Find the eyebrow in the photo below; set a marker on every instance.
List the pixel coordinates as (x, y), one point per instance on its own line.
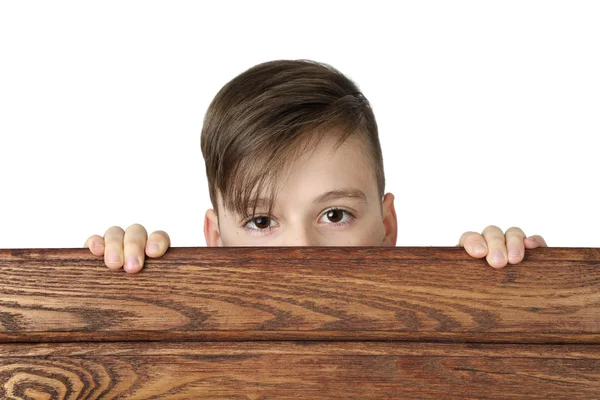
(347, 193)
(341, 194)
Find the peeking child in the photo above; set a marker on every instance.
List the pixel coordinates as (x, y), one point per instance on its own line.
(293, 158)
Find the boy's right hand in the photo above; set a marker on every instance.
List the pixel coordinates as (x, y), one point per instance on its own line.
(128, 247)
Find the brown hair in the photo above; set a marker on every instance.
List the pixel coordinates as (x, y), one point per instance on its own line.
(270, 114)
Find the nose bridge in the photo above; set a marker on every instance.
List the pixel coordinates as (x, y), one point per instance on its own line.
(300, 234)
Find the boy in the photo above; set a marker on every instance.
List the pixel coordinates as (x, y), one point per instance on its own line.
(293, 158)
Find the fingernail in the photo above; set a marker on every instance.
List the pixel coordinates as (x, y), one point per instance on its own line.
(153, 247)
(479, 248)
(113, 257)
(531, 238)
(513, 252)
(132, 262)
(498, 257)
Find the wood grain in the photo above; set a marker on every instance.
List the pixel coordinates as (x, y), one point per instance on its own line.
(305, 370)
(327, 323)
(302, 294)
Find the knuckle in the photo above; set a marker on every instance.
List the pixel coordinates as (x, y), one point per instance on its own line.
(160, 236)
(516, 241)
(467, 236)
(95, 245)
(490, 228)
(115, 229)
(114, 249)
(133, 239)
(136, 227)
(113, 234)
(495, 243)
(514, 250)
(133, 248)
(113, 243)
(515, 229)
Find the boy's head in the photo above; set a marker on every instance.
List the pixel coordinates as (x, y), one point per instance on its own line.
(285, 142)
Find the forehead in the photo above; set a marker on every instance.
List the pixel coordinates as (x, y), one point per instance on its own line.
(327, 163)
(322, 168)
(327, 157)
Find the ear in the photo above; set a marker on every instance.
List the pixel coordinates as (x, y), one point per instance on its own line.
(211, 229)
(390, 221)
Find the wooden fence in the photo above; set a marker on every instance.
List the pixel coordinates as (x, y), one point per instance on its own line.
(302, 323)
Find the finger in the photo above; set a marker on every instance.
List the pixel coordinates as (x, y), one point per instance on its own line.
(113, 243)
(496, 243)
(474, 244)
(96, 245)
(515, 244)
(158, 243)
(535, 241)
(134, 244)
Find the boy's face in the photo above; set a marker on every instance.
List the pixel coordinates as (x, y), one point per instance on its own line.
(302, 214)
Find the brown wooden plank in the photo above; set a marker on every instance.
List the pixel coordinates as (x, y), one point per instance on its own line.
(291, 370)
(302, 293)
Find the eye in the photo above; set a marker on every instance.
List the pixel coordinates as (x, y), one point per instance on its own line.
(261, 223)
(336, 216)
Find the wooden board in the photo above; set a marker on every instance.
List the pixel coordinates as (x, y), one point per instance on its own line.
(289, 322)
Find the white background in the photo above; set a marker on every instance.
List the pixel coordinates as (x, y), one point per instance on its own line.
(489, 112)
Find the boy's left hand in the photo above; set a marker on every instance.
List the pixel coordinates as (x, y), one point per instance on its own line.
(499, 247)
